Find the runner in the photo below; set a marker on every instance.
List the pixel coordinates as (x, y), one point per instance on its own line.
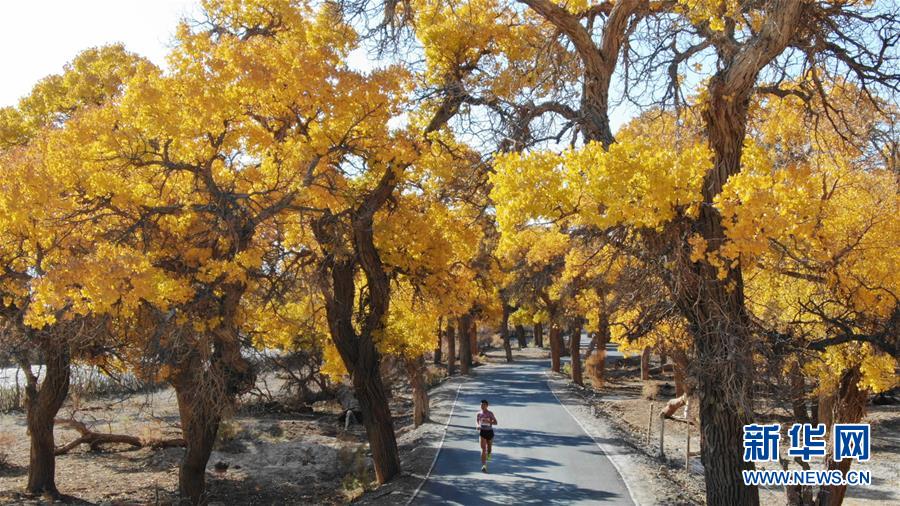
(486, 421)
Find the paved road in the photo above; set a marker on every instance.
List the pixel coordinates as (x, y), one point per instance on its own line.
(541, 455)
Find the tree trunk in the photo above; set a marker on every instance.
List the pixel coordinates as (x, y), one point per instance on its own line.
(563, 345)
(711, 297)
(575, 350)
(451, 349)
(798, 394)
(465, 344)
(554, 347)
(362, 361)
(415, 368)
(42, 405)
(850, 406)
(592, 345)
(437, 349)
(473, 339)
(520, 335)
(602, 336)
(504, 332)
(200, 420)
(680, 366)
(539, 335)
(645, 363)
(379, 425)
(825, 411)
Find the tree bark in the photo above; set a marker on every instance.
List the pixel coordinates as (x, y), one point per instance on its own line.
(599, 60)
(850, 406)
(602, 335)
(415, 368)
(539, 335)
(645, 363)
(94, 439)
(451, 349)
(520, 335)
(564, 344)
(42, 404)
(680, 366)
(437, 349)
(473, 339)
(465, 344)
(504, 332)
(592, 345)
(200, 419)
(357, 347)
(575, 350)
(555, 346)
(713, 301)
(362, 360)
(798, 394)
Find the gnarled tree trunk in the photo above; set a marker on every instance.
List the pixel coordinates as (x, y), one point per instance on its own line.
(451, 349)
(415, 369)
(357, 347)
(555, 346)
(465, 343)
(520, 335)
(712, 298)
(205, 390)
(437, 348)
(849, 407)
(504, 332)
(42, 403)
(200, 419)
(598, 367)
(575, 350)
(680, 367)
(539, 335)
(645, 363)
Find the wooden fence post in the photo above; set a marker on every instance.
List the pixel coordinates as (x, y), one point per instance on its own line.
(687, 450)
(662, 437)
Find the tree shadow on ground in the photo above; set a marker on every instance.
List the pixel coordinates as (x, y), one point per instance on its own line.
(12, 470)
(526, 488)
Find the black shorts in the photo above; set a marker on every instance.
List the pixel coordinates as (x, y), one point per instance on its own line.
(487, 434)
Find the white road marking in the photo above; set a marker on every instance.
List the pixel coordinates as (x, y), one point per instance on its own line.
(599, 445)
(440, 445)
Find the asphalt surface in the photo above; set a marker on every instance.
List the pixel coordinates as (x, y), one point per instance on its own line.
(540, 456)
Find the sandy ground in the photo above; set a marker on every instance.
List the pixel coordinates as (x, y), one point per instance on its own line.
(272, 458)
(308, 458)
(621, 404)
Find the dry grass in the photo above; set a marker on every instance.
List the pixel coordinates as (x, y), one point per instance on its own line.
(6, 441)
(10, 399)
(593, 368)
(650, 390)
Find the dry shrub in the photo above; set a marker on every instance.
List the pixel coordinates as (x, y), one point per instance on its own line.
(10, 399)
(650, 391)
(594, 368)
(357, 469)
(6, 441)
(434, 375)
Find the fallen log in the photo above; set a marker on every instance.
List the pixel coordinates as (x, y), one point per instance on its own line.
(97, 439)
(672, 406)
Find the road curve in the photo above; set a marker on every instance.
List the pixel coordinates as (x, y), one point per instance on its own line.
(541, 454)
